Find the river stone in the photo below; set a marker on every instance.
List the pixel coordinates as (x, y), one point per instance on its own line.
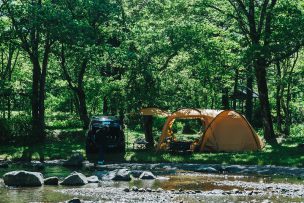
(234, 168)
(141, 190)
(159, 190)
(147, 175)
(126, 189)
(74, 200)
(134, 188)
(37, 165)
(51, 181)
(75, 179)
(118, 175)
(75, 160)
(207, 169)
(136, 173)
(23, 178)
(92, 179)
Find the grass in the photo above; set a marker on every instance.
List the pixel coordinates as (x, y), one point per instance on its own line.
(281, 156)
(59, 146)
(66, 142)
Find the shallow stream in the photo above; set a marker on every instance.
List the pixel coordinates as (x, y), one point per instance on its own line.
(178, 186)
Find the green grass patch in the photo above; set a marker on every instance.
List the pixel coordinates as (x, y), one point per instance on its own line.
(62, 143)
(281, 156)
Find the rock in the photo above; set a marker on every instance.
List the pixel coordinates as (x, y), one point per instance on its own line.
(93, 179)
(141, 190)
(74, 200)
(88, 165)
(118, 175)
(23, 178)
(159, 190)
(51, 181)
(216, 191)
(234, 168)
(134, 188)
(250, 193)
(37, 165)
(75, 179)
(75, 160)
(136, 173)
(147, 175)
(206, 169)
(149, 190)
(126, 189)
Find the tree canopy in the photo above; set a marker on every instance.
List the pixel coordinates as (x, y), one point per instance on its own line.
(114, 57)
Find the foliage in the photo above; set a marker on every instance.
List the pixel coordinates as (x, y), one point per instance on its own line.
(16, 130)
(63, 61)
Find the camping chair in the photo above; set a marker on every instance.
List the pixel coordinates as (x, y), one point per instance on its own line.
(140, 143)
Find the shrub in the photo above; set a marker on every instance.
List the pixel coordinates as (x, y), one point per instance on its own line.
(20, 128)
(5, 130)
(17, 129)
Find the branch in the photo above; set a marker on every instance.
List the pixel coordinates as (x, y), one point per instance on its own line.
(65, 71)
(242, 24)
(286, 55)
(251, 20)
(241, 5)
(262, 16)
(82, 72)
(15, 61)
(25, 45)
(167, 61)
(268, 23)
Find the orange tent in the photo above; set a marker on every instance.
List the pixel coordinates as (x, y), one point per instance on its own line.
(153, 112)
(226, 131)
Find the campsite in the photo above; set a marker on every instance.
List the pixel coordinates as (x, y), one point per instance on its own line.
(151, 101)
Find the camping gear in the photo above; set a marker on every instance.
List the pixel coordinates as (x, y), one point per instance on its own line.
(226, 131)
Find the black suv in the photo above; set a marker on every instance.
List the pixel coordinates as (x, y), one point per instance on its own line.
(105, 132)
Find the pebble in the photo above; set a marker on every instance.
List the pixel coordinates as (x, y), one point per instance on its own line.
(134, 188)
(159, 190)
(141, 190)
(74, 200)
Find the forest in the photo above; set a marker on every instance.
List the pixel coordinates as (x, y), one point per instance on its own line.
(63, 61)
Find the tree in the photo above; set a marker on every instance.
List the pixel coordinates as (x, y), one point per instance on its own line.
(86, 38)
(256, 22)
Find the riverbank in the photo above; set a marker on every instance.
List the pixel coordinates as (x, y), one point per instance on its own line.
(62, 144)
(169, 168)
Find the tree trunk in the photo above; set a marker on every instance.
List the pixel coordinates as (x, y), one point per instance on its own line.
(105, 105)
(287, 114)
(225, 99)
(83, 113)
(36, 128)
(148, 124)
(249, 94)
(278, 98)
(78, 90)
(236, 79)
(260, 72)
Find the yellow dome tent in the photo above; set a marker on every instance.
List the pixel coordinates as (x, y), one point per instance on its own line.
(226, 131)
